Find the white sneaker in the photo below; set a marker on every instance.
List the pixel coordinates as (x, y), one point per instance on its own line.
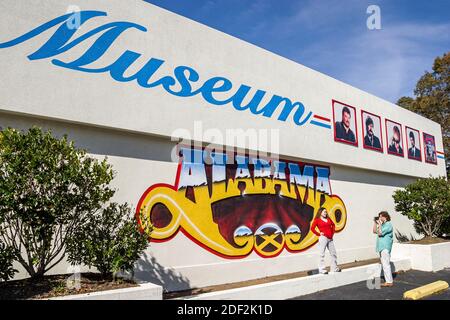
(323, 272)
(337, 270)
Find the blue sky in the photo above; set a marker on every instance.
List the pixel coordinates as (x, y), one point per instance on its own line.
(331, 36)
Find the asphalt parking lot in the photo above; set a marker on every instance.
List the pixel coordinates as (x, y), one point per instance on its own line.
(402, 282)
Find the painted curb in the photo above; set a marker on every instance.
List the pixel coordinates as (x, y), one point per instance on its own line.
(425, 290)
(285, 289)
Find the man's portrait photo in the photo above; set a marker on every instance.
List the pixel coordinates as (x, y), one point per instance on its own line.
(413, 142)
(394, 138)
(372, 131)
(344, 118)
(430, 148)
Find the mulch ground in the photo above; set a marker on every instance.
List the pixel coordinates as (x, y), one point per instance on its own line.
(428, 240)
(57, 285)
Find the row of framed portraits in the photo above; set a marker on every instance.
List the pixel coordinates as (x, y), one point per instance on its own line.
(346, 131)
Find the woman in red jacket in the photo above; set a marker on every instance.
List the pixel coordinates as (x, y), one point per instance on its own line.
(326, 228)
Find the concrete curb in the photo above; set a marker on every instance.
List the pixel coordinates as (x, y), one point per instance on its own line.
(145, 291)
(424, 257)
(290, 288)
(426, 290)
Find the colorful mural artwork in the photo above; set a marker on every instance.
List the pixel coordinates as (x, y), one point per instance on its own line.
(234, 204)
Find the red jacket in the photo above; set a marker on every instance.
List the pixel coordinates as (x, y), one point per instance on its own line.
(326, 227)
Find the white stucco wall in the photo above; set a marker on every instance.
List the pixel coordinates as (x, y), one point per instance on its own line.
(132, 125)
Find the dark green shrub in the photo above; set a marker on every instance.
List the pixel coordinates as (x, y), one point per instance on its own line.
(48, 188)
(427, 202)
(7, 256)
(111, 241)
(446, 227)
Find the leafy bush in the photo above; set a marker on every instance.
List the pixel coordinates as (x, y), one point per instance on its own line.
(427, 202)
(110, 241)
(48, 188)
(7, 256)
(446, 227)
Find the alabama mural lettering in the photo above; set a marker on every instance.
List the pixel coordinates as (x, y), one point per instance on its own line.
(181, 84)
(233, 208)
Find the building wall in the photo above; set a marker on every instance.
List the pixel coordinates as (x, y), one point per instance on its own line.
(133, 125)
(143, 160)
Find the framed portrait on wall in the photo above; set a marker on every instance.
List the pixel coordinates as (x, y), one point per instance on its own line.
(372, 135)
(344, 119)
(394, 138)
(429, 148)
(413, 144)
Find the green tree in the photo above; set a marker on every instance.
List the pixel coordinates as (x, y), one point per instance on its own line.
(432, 97)
(110, 240)
(48, 188)
(427, 202)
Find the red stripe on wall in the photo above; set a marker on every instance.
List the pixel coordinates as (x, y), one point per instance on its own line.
(321, 118)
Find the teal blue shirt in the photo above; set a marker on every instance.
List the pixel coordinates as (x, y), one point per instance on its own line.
(386, 239)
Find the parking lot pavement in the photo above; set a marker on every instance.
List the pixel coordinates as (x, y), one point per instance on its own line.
(402, 282)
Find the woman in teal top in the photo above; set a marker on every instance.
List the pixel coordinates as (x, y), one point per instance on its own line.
(384, 231)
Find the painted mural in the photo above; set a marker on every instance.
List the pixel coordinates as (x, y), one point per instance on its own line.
(235, 204)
